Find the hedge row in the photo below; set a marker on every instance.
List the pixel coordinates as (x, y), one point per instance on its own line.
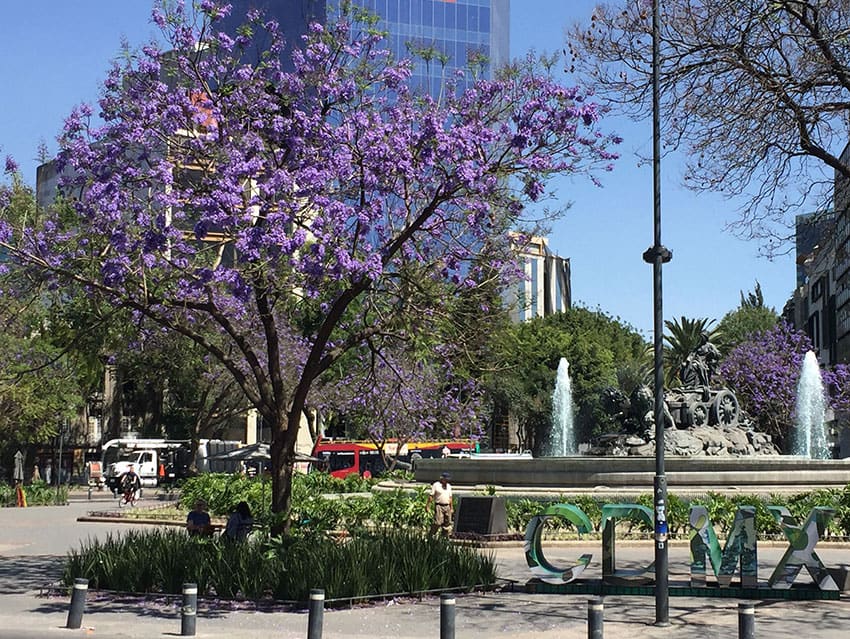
(312, 510)
(38, 493)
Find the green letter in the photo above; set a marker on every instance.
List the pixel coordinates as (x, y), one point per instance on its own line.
(741, 544)
(610, 514)
(541, 568)
(801, 548)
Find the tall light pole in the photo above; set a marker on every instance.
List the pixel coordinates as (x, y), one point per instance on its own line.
(657, 255)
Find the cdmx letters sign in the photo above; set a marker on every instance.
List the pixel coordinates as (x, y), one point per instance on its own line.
(739, 553)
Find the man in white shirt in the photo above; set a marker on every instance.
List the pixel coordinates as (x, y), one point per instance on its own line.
(441, 495)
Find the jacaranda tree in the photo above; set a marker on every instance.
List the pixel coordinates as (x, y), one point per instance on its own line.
(277, 214)
(764, 371)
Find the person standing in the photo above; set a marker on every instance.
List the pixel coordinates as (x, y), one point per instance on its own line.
(441, 495)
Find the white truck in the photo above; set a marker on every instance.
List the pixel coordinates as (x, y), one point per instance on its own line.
(159, 461)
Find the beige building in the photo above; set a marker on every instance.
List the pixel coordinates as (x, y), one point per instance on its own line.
(546, 288)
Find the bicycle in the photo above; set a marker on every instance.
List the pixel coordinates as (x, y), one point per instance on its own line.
(128, 498)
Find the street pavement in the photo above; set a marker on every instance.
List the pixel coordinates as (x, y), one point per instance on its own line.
(33, 542)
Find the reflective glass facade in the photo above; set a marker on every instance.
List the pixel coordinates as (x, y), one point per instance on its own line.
(456, 31)
(453, 30)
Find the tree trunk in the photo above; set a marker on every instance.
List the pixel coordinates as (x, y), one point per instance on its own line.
(284, 434)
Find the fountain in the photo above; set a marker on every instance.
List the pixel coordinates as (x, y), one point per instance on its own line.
(808, 438)
(710, 446)
(562, 437)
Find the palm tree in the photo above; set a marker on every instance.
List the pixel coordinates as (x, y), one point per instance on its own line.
(636, 372)
(683, 336)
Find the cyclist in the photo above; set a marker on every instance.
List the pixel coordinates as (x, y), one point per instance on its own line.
(130, 485)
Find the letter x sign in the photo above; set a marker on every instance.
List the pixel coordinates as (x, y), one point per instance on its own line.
(801, 548)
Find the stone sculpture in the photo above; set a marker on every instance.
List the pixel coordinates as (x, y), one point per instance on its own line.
(695, 402)
(706, 417)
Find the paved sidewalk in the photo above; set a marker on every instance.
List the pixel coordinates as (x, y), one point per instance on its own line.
(33, 542)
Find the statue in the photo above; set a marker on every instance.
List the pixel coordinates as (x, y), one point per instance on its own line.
(695, 403)
(699, 366)
(643, 401)
(699, 418)
(636, 412)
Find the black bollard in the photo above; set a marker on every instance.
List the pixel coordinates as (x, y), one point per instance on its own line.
(595, 612)
(746, 620)
(78, 603)
(189, 611)
(447, 617)
(316, 614)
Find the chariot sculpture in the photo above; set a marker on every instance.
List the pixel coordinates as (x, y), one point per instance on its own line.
(696, 403)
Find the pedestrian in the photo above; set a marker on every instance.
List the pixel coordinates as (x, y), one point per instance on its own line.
(48, 472)
(36, 475)
(240, 523)
(198, 520)
(441, 495)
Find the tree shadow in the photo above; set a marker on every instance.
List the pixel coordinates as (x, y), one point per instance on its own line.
(29, 572)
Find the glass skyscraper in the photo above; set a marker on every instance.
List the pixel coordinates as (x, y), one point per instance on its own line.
(451, 31)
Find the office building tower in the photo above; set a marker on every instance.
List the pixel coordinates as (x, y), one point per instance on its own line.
(449, 33)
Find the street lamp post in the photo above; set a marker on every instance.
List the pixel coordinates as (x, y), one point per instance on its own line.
(657, 255)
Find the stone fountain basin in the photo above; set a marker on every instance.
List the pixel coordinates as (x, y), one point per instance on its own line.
(685, 475)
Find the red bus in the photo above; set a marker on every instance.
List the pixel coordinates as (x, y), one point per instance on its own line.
(342, 457)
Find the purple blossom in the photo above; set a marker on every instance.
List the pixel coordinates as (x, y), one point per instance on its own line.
(11, 165)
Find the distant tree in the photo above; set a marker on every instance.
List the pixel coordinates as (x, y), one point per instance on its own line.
(751, 317)
(601, 350)
(392, 397)
(41, 386)
(764, 372)
(754, 298)
(176, 389)
(754, 93)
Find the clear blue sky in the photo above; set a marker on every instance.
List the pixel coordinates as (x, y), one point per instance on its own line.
(55, 54)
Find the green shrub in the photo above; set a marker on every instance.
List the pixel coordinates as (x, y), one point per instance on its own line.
(39, 493)
(386, 561)
(311, 512)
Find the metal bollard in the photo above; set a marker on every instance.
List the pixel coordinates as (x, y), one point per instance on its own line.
(595, 613)
(189, 611)
(746, 620)
(78, 603)
(447, 617)
(316, 614)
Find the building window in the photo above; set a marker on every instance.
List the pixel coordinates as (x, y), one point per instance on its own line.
(818, 288)
(814, 329)
(535, 282)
